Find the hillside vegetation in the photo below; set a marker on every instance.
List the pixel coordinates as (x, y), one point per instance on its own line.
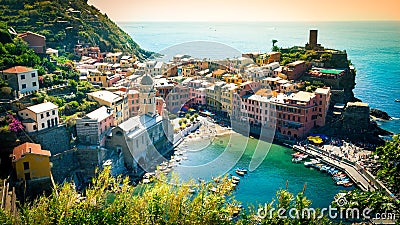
(64, 23)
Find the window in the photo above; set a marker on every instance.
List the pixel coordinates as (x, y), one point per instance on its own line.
(34, 84)
(26, 165)
(42, 125)
(41, 116)
(34, 127)
(5, 77)
(54, 112)
(22, 77)
(27, 176)
(47, 114)
(33, 75)
(23, 86)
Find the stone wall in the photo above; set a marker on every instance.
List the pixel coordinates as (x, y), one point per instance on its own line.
(55, 139)
(63, 165)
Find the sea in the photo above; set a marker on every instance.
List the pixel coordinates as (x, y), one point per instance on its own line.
(372, 47)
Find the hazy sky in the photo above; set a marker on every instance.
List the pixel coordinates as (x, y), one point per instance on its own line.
(249, 10)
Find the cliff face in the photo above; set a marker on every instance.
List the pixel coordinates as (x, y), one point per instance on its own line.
(65, 23)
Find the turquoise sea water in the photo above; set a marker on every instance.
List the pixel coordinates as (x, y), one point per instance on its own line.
(373, 47)
(259, 186)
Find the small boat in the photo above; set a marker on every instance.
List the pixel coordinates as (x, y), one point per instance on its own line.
(296, 154)
(192, 191)
(213, 189)
(296, 160)
(240, 173)
(308, 164)
(242, 169)
(397, 100)
(234, 181)
(201, 180)
(236, 178)
(349, 184)
(342, 182)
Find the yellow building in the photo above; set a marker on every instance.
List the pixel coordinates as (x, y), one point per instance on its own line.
(227, 98)
(266, 58)
(117, 103)
(96, 77)
(217, 74)
(233, 78)
(31, 162)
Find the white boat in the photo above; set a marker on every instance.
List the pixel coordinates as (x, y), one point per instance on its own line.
(307, 164)
(236, 178)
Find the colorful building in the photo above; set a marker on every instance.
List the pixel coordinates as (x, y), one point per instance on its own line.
(39, 117)
(31, 162)
(92, 128)
(113, 101)
(21, 79)
(295, 70)
(133, 102)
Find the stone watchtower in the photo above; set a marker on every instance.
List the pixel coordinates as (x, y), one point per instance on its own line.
(147, 96)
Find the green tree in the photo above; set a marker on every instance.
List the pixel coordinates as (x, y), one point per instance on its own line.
(389, 157)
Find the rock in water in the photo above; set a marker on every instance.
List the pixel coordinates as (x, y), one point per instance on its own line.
(380, 114)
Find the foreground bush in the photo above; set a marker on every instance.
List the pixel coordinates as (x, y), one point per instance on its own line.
(113, 201)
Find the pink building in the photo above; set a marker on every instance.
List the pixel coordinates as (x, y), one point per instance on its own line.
(176, 98)
(197, 92)
(160, 105)
(298, 113)
(133, 102)
(295, 70)
(92, 128)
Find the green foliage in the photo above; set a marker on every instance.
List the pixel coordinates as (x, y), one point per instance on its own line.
(389, 157)
(62, 27)
(5, 218)
(311, 86)
(112, 200)
(187, 115)
(377, 201)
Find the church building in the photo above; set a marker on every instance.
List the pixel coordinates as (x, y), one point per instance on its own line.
(145, 138)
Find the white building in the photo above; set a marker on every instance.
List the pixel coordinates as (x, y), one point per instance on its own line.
(22, 79)
(39, 117)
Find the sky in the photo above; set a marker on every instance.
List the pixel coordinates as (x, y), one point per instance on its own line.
(248, 10)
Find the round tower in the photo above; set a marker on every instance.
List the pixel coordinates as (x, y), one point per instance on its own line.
(147, 96)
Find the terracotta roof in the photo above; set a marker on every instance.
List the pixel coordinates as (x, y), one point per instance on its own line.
(18, 69)
(30, 33)
(27, 148)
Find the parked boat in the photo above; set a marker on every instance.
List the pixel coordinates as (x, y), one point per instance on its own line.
(308, 164)
(349, 184)
(296, 160)
(236, 178)
(242, 170)
(240, 173)
(342, 182)
(192, 191)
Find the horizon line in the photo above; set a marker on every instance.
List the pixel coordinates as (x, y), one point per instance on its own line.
(251, 21)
